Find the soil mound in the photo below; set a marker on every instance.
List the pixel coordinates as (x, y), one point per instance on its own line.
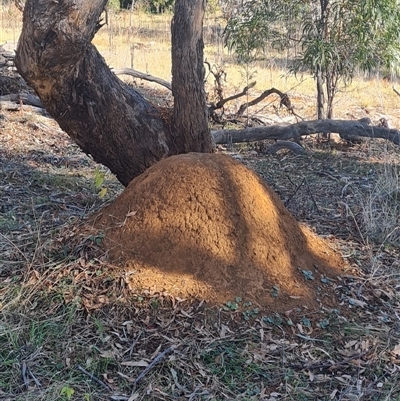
(204, 225)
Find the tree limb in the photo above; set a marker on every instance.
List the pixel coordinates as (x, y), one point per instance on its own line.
(222, 102)
(105, 117)
(349, 130)
(141, 75)
(24, 98)
(285, 101)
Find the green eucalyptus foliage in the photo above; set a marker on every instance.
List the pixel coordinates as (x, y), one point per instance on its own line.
(331, 39)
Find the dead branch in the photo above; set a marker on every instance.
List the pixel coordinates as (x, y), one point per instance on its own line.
(12, 106)
(24, 98)
(396, 91)
(222, 102)
(293, 146)
(285, 101)
(219, 75)
(94, 378)
(348, 130)
(154, 362)
(141, 75)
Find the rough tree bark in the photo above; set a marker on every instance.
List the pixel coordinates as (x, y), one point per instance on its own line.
(105, 117)
(190, 109)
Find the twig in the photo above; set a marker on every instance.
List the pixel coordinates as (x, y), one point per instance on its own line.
(295, 192)
(94, 378)
(23, 373)
(350, 212)
(154, 362)
(312, 196)
(134, 343)
(37, 382)
(310, 338)
(218, 75)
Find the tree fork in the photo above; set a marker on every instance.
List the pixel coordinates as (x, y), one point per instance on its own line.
(105, 117)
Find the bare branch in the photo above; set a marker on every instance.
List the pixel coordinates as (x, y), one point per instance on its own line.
(24, 98)
(219, 74)
(222, 102)
(141, 75)
(285, 101)
(94, 378)
(154, 362)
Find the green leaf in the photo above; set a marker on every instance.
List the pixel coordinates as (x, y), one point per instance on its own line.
(102, 193)
(67, 392)
(98, 178)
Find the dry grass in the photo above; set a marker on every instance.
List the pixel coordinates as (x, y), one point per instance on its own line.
(381, 207)
(63, 308)
(142, 41)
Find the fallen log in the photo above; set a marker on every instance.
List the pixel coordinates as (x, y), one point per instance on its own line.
(22, 98)
(347, 129)
(12, 106)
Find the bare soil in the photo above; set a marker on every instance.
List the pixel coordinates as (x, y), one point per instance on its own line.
(206, 226)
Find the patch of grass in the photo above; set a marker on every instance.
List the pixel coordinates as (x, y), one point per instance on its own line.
(380, 207)
(31, 349)
(52, 178)
(8, 221)
(228, 362)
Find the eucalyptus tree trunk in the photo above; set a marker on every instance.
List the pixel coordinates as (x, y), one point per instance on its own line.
(104, 116)
(190, 109)
(323, 33)
(320, 94)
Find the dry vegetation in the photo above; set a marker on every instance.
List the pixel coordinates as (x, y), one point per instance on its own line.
(71, 330)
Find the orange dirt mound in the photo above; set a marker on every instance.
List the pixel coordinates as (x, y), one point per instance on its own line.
(205, 226)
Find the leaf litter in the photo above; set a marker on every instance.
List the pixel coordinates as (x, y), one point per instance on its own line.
(64, 307)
